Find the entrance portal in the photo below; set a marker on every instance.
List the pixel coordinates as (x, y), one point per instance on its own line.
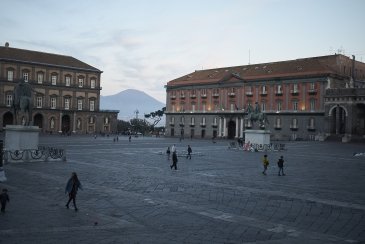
(231, 129)
(66, 124)
(8, 119)
(38, 120)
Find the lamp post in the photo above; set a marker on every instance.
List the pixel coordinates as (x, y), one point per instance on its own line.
(2, 172)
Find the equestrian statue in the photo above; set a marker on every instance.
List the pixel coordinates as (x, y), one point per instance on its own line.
(22, 102)
(255, 115)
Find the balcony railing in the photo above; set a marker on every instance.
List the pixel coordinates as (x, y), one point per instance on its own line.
(203, 124)
(215, 95)
(203, 95)
(172, 123)
(172, 97)
(192, 96)
(277, 127)
(231, 94)
(294, 92)
(263, 93)
(311, 128)
(214, 125)
(278, 93)
(312, 91)
(294, 127)
(182, 96)
(249, 93)
(192, 124)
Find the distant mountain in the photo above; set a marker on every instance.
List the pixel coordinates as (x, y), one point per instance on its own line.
(128, 101)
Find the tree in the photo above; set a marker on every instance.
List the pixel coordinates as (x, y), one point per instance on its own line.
(139, 125)
(155, 116)
(123, 126)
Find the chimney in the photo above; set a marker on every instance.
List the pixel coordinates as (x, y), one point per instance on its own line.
(6, 44)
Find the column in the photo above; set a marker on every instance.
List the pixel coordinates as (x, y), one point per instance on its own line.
(60, 123)
(74, 124)
(220, 127)
(241, 135)
(224, 127)
(236, 135)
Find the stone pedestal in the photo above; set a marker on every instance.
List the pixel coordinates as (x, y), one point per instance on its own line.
(257, 136)
(19, 137)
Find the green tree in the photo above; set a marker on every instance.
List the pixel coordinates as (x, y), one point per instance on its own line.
(155, 116)
(123, 126)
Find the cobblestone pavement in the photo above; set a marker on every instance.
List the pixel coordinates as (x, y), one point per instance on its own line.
(131, 195)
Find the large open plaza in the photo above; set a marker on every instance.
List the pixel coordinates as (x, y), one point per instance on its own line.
(130, 194)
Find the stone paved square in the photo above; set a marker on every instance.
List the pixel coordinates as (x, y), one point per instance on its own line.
(130, 194)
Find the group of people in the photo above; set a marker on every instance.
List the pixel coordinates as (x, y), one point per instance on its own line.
(174, 155)
(265, 162)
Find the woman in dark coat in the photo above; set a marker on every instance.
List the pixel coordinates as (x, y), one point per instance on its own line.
(73, 185)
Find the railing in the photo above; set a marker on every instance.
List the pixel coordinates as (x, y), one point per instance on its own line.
(42, 154)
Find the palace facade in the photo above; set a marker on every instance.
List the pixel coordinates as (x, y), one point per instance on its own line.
(66, 95)
(304, 99)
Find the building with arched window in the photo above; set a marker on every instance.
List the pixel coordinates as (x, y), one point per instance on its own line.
(66, 96)
(304, 99)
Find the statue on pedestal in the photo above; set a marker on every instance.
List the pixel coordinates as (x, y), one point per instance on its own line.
(255, 115)
(23, 102)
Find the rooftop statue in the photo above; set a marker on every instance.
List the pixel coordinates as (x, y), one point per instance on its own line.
(22, 102)
(255, 115)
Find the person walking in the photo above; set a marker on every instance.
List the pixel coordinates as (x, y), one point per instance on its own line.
(281, 165)
(189, 152)
(73, 185)
(173, 148)
(174, 160)
(4, 197)
(130, 138)
(168, 152)
(265, 162)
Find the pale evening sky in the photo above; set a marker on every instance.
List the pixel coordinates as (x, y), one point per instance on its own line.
(142, 44)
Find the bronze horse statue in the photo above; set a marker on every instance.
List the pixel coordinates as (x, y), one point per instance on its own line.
(22, 102)
(254, 115)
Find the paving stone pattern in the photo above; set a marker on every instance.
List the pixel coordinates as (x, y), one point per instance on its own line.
(130, 194)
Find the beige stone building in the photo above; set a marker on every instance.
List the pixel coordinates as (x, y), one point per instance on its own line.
(66, 97)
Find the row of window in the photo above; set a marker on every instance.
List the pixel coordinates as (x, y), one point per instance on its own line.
(248, 90)
(91, 120)
(277, 125)
(53, 103)
(234, 107)
(54, 79)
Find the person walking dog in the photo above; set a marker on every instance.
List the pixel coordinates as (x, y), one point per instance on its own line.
(73, 185)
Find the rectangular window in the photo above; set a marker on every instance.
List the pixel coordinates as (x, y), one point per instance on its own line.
(40, 78)
(263, 106)
(279, 89)
(193, 121)
(312, 86)
(92, 105)
(232, 107)
(81, 82)
(54, 79)
(312, 105)
(279, 106)
(173, 108)
(10, 75)
(26, 76)
(295, 88)
(264, 90)
(68, 80)
(53, 102)
(193, 108)
(203, 92)
(79, 104)
(215, 121)
(9, 100)
(39, 102)
(203, 121)
(67, 103)
(295, 105)
(92, 83)
(204, 107)
(278, 123)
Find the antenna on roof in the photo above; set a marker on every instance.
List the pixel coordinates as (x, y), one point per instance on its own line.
(249, 56)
